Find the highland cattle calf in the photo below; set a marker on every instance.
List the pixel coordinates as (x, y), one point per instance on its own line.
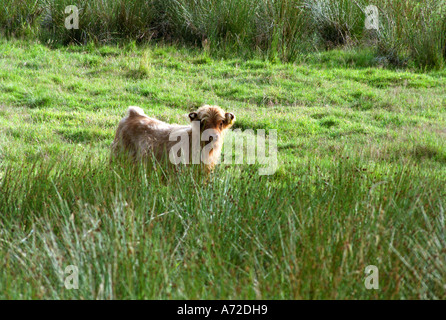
(141, 136)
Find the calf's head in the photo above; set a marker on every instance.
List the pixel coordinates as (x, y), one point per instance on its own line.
(213, 122)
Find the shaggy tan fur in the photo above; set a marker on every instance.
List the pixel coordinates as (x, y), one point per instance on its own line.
(141, 136)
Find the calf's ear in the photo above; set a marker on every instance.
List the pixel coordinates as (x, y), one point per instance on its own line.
(229, 118)
(193, 116)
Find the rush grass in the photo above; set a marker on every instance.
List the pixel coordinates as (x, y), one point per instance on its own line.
(360, 180)
(409, 33)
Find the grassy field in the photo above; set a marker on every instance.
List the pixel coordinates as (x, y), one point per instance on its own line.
(361, 178)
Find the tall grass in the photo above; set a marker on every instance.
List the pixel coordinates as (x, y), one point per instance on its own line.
(414, 30)
(102, 21)
(238, 235)
(337, 22)
(19, 18)
(278, 29)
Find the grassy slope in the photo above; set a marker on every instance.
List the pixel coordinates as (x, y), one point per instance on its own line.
(361, 178)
